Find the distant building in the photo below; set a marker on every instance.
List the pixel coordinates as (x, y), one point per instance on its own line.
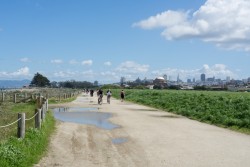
(96, 83)
(189, 81)
(228, 79)
(160, 81)
(211, 79)
(123, 80)
(203, 77)
(193, 80)
(165, 77)
(178, 79)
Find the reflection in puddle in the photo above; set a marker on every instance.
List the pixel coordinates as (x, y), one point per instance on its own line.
(75, 109)
(84, 116)
(119, 140)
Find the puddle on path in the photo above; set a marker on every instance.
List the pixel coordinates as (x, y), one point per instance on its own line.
(85, 116)
(119, 140)
(75, 109)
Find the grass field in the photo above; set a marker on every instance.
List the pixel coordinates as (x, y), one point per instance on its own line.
(225, 109)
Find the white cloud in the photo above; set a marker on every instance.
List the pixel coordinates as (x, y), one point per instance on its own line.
(22, 72)
(132, 67)
(223, 22)
(217, 71)
(25, 60)
(78, 75)
(108, 63)
(56, 61)
(164, 19)
(88, 73)
(87, 62)
(73, 62)
(109, 75)
(65, 74)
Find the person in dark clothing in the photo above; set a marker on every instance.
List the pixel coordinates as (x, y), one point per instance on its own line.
(91, 92)
(100, 95)
(122, 95)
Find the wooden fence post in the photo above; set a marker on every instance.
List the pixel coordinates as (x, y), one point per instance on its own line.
(3, 97)
(14, 98)
(38, 119)
(21, 125)
(47, 104)
(43, 112)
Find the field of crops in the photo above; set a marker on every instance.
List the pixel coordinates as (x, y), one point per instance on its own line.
(226, 109)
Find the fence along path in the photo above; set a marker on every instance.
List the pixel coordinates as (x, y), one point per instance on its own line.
(24, 97)
(40, 112)
(39, 117)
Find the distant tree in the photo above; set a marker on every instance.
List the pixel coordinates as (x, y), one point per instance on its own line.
(40, 81)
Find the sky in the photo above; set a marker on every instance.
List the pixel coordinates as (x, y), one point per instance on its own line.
(104, 40)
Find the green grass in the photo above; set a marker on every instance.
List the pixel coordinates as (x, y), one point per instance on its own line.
(56, 101)
(224, 109)
(28, 151)
(9, 113)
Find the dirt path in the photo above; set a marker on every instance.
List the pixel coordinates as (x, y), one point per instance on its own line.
(153, 139)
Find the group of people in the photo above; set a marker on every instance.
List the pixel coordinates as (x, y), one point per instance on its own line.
(108, 93)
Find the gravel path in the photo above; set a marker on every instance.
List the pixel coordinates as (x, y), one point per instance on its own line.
(149, 138)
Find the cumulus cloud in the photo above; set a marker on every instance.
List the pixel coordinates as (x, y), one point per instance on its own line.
(217, 71)
(56, 61)
(107, 63)
(22, 72)
(25, 59)
(223, 22)
(132, 67)
(87, 62)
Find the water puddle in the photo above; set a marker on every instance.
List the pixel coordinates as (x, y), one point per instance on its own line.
(75, 109)
(89, 116)
(119, 140)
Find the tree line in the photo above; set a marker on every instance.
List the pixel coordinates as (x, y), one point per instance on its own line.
(42, 81)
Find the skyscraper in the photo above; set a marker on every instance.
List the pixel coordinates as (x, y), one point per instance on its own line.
(165, 77)
(203, 77)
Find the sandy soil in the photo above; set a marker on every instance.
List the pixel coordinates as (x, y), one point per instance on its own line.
(154, 139)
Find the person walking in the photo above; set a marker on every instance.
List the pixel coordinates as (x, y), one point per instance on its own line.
(122, 95)
(109, 93)
(100, 95)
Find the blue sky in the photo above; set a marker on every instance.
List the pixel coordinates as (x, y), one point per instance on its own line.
(105, 40)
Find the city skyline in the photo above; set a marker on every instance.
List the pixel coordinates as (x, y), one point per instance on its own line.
(97, 40)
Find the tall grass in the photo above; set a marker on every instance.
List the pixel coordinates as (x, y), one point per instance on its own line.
(226, 109)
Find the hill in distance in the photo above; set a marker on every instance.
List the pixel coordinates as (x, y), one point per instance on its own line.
(13, 83)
